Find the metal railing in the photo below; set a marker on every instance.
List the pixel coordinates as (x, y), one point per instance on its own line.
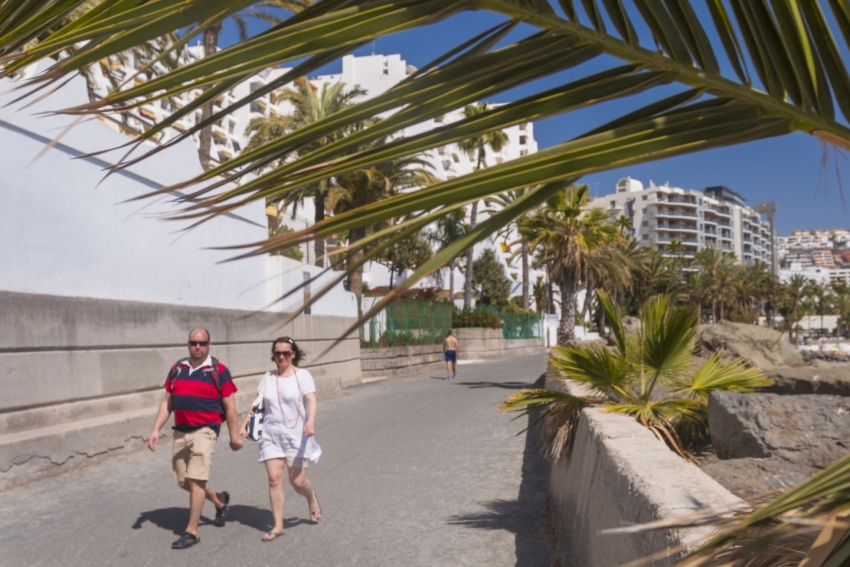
(518, 325)
(406, 323)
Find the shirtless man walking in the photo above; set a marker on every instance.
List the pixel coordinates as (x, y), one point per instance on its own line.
(450, 348)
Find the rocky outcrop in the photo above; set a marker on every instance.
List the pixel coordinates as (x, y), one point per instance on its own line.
(834, 381)
(761, 347)
(810, 431)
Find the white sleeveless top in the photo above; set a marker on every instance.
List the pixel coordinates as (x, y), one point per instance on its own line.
(285, 413)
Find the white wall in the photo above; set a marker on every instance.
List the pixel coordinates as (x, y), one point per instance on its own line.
(62, 234)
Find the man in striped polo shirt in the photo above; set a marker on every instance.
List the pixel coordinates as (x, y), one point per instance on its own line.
(199, 390)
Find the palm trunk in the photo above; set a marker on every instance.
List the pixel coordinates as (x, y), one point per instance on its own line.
(567, 324)
(525, 301)
(452, 281)
(467, 285)
(205, 135)
(319, 243)
(550, 294)
(355, 278)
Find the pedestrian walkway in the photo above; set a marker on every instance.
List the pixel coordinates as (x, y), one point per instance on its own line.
(415, 471)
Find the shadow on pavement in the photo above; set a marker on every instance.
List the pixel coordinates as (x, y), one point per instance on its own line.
(174, 519)
(524, 516)
(503, 385)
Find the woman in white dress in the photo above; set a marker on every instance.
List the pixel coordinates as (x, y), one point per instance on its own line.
(289, 422)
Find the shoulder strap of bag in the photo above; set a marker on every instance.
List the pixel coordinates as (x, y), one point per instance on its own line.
(175, 370)
(214, 375)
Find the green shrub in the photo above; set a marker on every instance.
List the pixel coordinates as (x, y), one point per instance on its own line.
(462, 318)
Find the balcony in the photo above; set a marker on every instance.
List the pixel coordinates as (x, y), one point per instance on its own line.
(721, 211)
(710, 221)
(672, 213)
(672, 199)
(677, 226)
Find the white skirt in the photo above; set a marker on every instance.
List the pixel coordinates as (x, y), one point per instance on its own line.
(280, 443)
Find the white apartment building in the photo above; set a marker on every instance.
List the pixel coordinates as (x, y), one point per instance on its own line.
(718, 217)
(374, 73)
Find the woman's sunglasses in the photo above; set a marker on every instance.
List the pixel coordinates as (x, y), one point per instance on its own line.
(286, 353)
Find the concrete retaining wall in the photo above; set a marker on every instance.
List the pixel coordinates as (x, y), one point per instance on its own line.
(82, 377)
(475, 343)
(618, 473)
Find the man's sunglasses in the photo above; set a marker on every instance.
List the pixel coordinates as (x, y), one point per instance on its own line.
(286, 353)
(198, 343)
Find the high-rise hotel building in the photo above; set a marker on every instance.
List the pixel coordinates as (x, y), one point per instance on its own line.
(717, 216)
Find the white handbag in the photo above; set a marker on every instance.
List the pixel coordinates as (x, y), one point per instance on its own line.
(255, 420)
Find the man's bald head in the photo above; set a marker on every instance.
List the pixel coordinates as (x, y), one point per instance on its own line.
(199, 334)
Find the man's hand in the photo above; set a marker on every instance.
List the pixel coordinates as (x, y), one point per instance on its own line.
(153, 440)
(235, 444)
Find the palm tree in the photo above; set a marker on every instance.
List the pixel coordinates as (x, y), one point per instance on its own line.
(652, 377)
(505, 200)
(574, 233)
(367, 186)
(447, 230)
(792, 294)
(698, 288)
(264, 10)
(495, 140)
(718, 267)
(309, 107)
(654, 275)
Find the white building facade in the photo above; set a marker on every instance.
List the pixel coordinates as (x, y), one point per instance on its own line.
(662, 215)
(375, 74)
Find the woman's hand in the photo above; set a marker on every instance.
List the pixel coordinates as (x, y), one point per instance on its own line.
(309, 429)
(243, 432)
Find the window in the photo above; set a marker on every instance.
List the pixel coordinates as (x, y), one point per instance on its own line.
(643, 210)
(386, 71)
(645, 223)
(447, 165)
(523, 152)
(643, 198)
(613, 204)
(644, 237)
(523, 139)
(455, 158)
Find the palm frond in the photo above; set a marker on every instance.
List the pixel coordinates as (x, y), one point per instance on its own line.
(717, 373)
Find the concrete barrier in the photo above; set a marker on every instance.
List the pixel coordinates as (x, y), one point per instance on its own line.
(617, 473)
(401, 360)
(475, 344)
(82, 377)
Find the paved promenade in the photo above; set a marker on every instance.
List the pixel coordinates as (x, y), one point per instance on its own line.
(415, 471)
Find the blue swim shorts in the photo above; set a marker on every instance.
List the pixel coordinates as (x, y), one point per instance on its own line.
(451, 356)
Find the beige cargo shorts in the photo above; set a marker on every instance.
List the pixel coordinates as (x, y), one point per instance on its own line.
(191, 454)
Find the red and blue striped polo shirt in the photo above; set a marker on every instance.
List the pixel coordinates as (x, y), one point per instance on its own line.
(195, 398)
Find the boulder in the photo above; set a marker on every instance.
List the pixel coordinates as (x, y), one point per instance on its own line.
(831, 381)
(809, 431)
(761, 347)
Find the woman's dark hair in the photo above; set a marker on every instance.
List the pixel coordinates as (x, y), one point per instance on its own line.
(298, 354)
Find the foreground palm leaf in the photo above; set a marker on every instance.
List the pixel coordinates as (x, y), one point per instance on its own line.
(788, 75)
(653, 377)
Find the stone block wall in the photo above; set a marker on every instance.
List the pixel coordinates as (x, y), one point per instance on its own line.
(82, 377)
(617, 473)
(475, 344)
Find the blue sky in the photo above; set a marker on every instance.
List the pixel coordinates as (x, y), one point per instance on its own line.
(789, 170)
